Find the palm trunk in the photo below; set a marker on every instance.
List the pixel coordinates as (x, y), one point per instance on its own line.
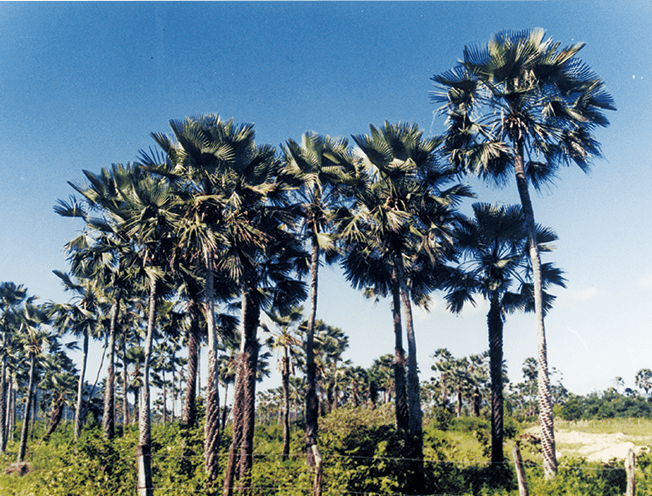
(312, 401)
(125, 386)
(55, 420)
(11, 408)
(286, 405)
(190, 402)
(144, 415)
(415, 422)
(79, 411)
(495, 324)
(108, 416)
(244, 406)
(212, 426)
(3, 399)
(165, 398)
(400, 402)
(415, 425)
(22, 450)
(546, 421)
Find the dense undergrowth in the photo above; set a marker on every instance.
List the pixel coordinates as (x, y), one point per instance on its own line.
(362, 454)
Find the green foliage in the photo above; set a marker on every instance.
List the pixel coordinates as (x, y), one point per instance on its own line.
(361, 450)
(606, 405)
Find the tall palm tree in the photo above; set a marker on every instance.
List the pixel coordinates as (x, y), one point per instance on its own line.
(285, 338)
(138, 209)
(204, 159)
(11, 297)
(522, 105)
(495, 257)
(104, 253)
(267, 283)
(79, 318)
(35, 338)
(320, 169)
(149, 217)
(403, 219)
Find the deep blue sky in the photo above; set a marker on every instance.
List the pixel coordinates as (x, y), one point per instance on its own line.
(83, 84)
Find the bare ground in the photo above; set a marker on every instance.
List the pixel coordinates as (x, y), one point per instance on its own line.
(598, 447)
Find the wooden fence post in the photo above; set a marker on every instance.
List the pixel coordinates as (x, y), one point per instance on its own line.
(520, 472)
(629, 468)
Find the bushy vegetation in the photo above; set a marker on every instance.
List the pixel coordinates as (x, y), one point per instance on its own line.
(605, 405)
(362, 452)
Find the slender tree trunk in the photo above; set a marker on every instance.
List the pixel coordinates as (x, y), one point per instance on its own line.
(137, 406)
(55, 420)
(495, 324)
(34, 409)
(79, 410)
(415, 423)
(165, 398)
(3, 398)
(125, 386)
(10, 422)
(546, 421)
(144, 415)
(190, 402)
(476, 401)
(312, 401)
(241, 450)
(212, 426)
(108, 416)
(22, 450)
(286, 405)
(400, 402)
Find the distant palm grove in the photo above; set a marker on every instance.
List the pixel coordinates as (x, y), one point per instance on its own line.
(210, 240)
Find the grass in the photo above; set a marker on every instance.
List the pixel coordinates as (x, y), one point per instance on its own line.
(63, 468)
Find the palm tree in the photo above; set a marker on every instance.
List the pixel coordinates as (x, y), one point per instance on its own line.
(402, 230)
(495, 256)
(522, 104)
(320, 169)
(381, 377)
(227, 185)
(104, 253)
(204, 160)
(265, 284)
(35, 338)
(11, 297)
(330, 344)
(453, 376)
(285, 339)
(80, 318)
(59, 387)
(149, 218)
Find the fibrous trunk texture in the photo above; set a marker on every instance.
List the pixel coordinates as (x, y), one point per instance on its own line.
(241, 450)
(190, 404)
(495, 324)
(312, 401)
(546, 421)
(79, 411)
(108, 416)
(400, 400)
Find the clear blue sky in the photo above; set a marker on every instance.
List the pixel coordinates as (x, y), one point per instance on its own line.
(83, 84)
